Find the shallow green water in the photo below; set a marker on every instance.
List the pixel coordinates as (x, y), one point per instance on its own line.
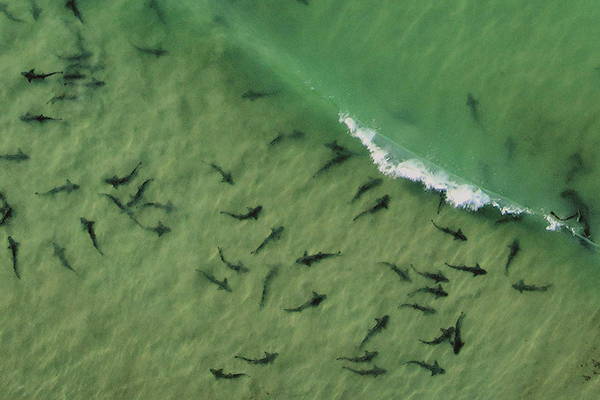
(141, 323)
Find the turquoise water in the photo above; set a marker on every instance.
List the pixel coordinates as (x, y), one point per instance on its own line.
(139, 322)
(407, 69)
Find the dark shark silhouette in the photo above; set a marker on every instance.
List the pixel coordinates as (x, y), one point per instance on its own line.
(126, 210)
(380, 324)
(35, 10)
(424, 309)
(338, 159)
(267, 284)
(219, 374)
(13, 246)
(68, 187)
(6, 210)
(81, 56)
(445, 336)
(95, 83)
(59, 252)
(153, 4)
(41, 118)
(73, 76)
(476, 270)
(253, 95)
(375, 371)
(72, 5)
(434, 368)
(294, 135)
(226, 177)
(372, 183)
(18, 156)
(367, 357)
(168, 207)
(380, 204)
(160, 229)
(314, 301)
(8, 14)
(89, 228)
(309, 260)
(577, 167)
(274, 235)
(32, 76)
(62, 97)
(221, 285)
(239, 267)
(514, 250)
(458, 235)
(137, 197)
(157, 52)
(253, 213)
(457, 343)
(473, 105)
(338, 148)
(437, 277)
(582, 209)
(521, 286)
(115, 181)
(441, 202)
(402, 273)
(437, 291)
(269, 358)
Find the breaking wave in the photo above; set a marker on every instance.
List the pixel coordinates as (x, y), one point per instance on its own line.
(397, 162)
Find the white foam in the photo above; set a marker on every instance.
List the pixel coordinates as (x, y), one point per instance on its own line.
(461, 195)
(458, 194)
(553, 223)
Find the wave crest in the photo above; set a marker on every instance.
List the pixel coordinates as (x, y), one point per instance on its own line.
(458, 192)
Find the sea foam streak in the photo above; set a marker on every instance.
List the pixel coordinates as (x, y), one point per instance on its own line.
(409, 166)
(396, 162)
